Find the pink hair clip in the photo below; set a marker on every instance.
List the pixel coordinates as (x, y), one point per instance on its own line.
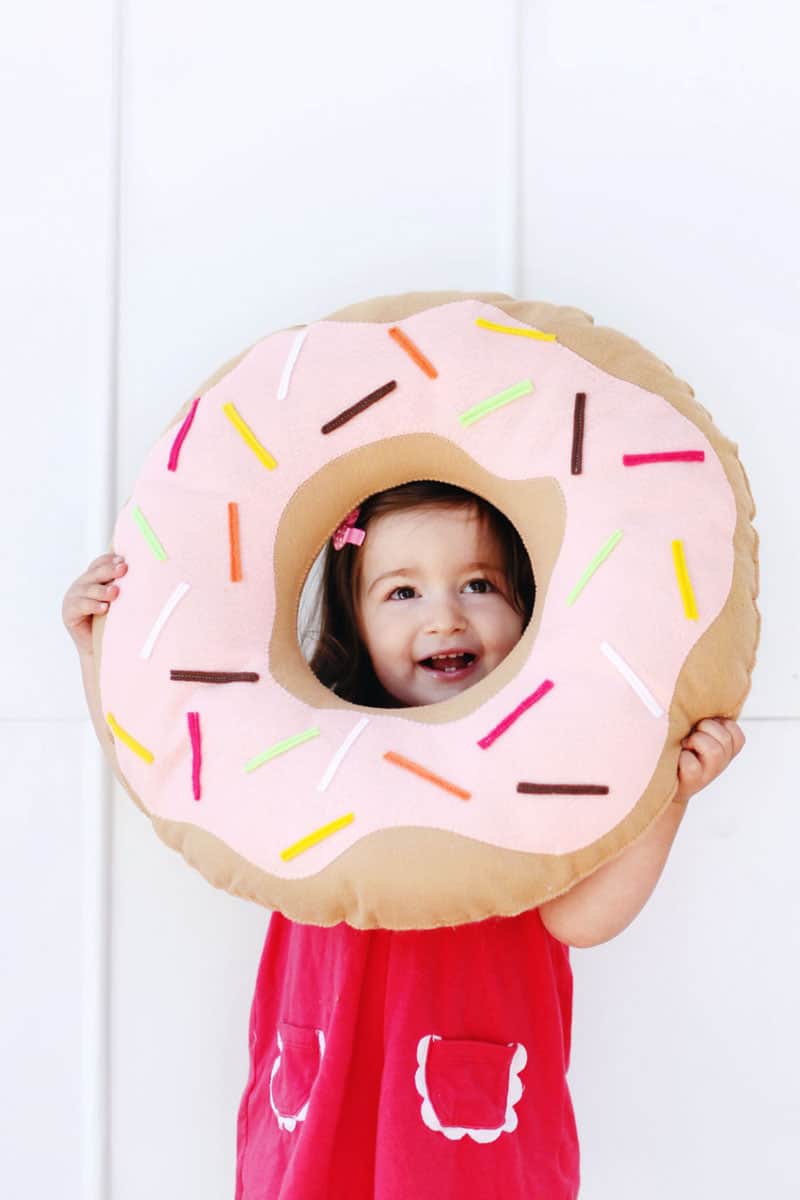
(347, 533)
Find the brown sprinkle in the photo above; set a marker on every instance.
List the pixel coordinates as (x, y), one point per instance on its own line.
(214, 676)
(355, 409)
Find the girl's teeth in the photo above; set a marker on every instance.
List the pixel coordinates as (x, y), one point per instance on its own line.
(446, 664)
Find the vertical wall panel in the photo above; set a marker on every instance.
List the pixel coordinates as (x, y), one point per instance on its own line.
(40, 966)
(282, 162)
(685, 1044)
(56, 243)
(57, 122)
(661, 192)
(278, 163)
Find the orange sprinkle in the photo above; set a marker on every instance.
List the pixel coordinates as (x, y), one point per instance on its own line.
(413, 351)
(233, 533)
(399, 761)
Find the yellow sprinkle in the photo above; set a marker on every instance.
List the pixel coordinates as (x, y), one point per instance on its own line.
(684, 582)
(317, 836)
(135, 746)
(531, 333)
(249, 436)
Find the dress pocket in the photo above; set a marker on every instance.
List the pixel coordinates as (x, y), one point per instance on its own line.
(469, 1087)
(294, 1071)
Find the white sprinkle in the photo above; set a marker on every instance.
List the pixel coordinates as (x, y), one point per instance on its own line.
(300, 337)
(336, 761)
(163, 617)
(633, 679)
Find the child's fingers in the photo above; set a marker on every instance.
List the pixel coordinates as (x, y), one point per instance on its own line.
(90, 596)
(103, 560)
(690, 769)
(737, 733)
(727, 732)
(103, 572)
(85, 606)
(717, 729)
(709, 749)
(76, 608)
(84, 600)
(706, 752)
(718, 732)
(101, 591)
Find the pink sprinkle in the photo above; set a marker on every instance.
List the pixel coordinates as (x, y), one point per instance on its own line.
(197, 758)
(542, 690)
(182, 432)
(635, 460)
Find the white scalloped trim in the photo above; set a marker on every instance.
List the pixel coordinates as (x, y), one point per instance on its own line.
(453, 1132)
(288, 1121)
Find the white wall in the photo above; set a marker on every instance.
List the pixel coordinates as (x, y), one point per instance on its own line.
(182, 179)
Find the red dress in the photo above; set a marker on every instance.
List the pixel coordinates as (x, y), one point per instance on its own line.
(416, 1065)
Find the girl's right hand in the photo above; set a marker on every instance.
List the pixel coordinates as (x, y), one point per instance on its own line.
(89, 596)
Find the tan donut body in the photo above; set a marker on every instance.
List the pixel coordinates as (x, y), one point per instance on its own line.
(504, 796)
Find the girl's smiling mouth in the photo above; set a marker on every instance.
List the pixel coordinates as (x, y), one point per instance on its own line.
(451, 665)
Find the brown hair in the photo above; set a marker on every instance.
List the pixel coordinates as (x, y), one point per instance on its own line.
(340, 659)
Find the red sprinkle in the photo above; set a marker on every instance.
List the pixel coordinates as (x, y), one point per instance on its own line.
(636, 460)
(494, 734)
(197, 758)
(182, 432)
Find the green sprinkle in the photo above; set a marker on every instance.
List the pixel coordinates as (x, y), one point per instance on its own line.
(147, 530)
(281, 747)
(593, 565)
(494, 402)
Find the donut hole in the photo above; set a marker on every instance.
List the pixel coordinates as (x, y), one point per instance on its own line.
(534, 507)
(332, 638)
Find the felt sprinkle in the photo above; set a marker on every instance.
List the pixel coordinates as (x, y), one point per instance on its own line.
(182, 432)
(335, 763)
(214, 676)
(283, 388)
(531, 333)
(233, 539)
(348, 413)
(492, 403)
(637, 460)
(162, 618)
(147, 530)
(197, 757)
(593, 565)
(244, 429)
(424, 773)
(563, 789)
(684, 582)
(577, 432)
(129, 741)
(413, 352)
(494, 734)
(647, 698)
(317, 836)
(289, 743)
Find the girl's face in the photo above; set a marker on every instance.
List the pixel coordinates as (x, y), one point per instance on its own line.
(431, 583)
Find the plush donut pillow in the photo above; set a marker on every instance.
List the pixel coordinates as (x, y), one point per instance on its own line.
(635, 512)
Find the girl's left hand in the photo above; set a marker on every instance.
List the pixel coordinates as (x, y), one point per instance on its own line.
(705, 754)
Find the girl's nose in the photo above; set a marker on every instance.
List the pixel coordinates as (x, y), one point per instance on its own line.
(446, 616)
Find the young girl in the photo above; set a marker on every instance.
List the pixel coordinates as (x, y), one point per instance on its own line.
(431, 599)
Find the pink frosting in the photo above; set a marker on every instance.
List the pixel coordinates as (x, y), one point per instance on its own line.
(591, 727)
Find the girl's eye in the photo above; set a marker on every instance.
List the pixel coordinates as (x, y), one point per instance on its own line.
(402, 588)
(487, 585)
